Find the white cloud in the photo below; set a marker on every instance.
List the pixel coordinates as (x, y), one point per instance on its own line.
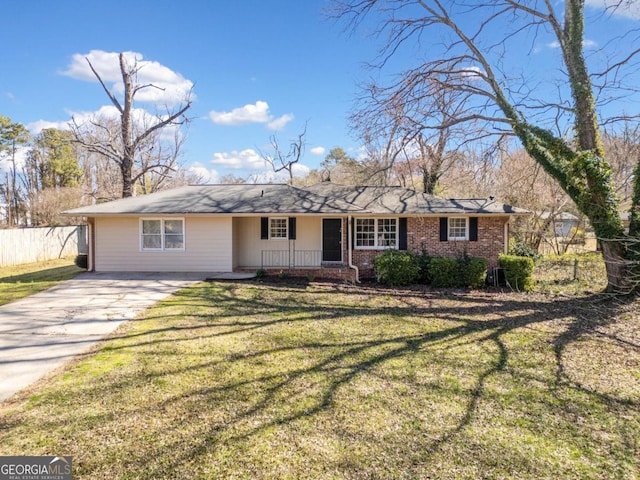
(251, 113)
(108, 112)
(269, 176)
(281, 122)
(142, 119)
(172, 88)
(250, 161)
(258, 113)
(472, 72)
(622, 8)
(586, 43)
(204, 174)
(39, 125)
(247, 159)
(300, 170)
(6, 164)
(317, 150)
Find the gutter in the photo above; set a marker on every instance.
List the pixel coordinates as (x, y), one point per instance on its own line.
(350, 249)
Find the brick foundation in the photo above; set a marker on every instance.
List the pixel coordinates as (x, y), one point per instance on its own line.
(342, 273)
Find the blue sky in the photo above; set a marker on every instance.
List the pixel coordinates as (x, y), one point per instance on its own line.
(258, 68)
(281, 61)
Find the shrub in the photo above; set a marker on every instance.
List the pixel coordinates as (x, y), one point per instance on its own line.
(518, 271)
(81, 261)
(473, 271)
(396, 268)
(443, 272)
(464, 271)
(521, 249)
(423, 262)
(261, 273)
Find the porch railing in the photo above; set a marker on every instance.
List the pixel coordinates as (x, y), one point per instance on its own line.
(291, 258)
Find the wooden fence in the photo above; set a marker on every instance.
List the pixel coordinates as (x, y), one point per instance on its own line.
(28, 245)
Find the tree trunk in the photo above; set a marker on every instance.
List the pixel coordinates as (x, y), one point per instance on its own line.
(126, 168)
(618, 280)
(429, 180)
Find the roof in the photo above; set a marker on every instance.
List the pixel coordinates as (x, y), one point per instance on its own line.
(272, 199)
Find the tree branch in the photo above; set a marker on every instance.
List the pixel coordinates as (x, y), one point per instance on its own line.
(113, 99)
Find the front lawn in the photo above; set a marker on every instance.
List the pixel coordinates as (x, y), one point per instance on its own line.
(23, 280)
(266, 381)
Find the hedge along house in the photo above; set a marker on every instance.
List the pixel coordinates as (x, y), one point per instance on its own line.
(326, 230)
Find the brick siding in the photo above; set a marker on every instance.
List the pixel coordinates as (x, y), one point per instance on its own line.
(423, 234)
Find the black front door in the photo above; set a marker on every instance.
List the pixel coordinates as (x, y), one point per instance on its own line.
(331, 240)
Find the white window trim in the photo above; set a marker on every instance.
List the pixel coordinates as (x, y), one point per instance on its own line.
(375, 246)
(286, 228)
(466, 230)
(162, 235)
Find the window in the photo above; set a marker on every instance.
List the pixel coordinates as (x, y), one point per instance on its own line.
(387, 232)
(278, 228)
(365, 232)
(457, 229)
(162, 234)
(376, 233)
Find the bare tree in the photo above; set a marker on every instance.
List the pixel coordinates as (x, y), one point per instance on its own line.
(284, 162)
(623, 152)
(476, 45)
(130, 142)
(416, 128)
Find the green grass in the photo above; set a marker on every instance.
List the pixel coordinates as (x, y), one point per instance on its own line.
(24, 280)
(263, 381)
(570, 273)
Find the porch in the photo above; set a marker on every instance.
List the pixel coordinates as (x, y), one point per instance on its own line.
(305, 263)
(293, 258)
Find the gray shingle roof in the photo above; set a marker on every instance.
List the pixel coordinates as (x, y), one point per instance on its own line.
(323, 198)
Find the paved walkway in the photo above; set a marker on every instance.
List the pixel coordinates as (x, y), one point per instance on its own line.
(41, 332)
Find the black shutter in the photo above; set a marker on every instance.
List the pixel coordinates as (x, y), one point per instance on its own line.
(444, 227)
(264, 228)
(292, 228)
(473, 229)
(353, 233)
(402, 234)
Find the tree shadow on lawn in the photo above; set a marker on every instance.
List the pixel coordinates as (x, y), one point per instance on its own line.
(49, 274)
(294, 381)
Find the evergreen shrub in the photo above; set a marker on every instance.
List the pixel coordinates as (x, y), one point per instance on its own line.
(444, 272)
(518, 271)
(396, 268)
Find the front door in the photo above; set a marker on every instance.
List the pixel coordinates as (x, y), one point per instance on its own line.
(331, 240)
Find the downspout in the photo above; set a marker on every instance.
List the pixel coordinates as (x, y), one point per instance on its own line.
(350, 249)
(91, 245)
(505, 242)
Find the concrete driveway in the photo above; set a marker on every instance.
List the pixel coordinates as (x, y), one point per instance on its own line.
(41, 332)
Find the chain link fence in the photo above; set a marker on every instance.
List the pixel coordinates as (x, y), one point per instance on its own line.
(586, 268)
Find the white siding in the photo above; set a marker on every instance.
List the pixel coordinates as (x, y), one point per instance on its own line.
(236, 232)
(249, 246)
(208, 246)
